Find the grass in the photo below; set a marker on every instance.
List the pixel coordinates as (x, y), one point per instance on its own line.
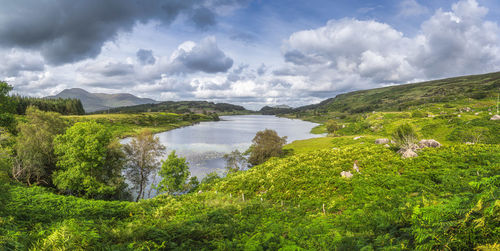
(125, 125)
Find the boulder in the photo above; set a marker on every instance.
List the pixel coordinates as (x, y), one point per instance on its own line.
(495, 117)
(346, 175)
(409, 153)
(428, 143)
(355, 166)
(382, 141)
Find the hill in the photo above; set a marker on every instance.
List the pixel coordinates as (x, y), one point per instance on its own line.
(100, 101)
(181, 107)
(401, 97)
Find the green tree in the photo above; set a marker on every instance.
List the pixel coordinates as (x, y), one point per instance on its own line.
(332, 126)
(143, 154)
(7, 119)
(174, 172)
(235, 161)
(266, 144)
(35, 159)
(90, 162)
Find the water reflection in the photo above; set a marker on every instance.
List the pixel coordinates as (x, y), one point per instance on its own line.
(204, 144)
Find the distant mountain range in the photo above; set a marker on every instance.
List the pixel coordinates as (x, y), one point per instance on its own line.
(100, 101)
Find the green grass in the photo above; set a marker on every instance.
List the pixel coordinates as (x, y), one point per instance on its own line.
(125, 125)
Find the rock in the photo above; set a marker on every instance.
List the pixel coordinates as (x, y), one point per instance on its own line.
(355, 166)
(490, 113)
(495, 117)
(346, 175)
(431, 115)
(469, 143)
(358, 137)
(343, 126)
(459, 115)
(387, 145)
(477, 113)
(428, 143)
(381, 141)
(409, 154)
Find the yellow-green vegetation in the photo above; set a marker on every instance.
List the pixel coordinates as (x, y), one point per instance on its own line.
(125, 125)
(331, 193)
(446, 198)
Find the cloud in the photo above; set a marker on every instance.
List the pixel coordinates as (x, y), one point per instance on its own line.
(203, 57)
(411, 8)
(350, 54)
(15, 62)
(145, 57)
(107, 69)
(68, 31)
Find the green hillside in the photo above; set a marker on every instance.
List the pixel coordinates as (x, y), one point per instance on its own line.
(402, 97)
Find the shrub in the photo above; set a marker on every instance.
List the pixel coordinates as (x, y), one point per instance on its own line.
(405, 136)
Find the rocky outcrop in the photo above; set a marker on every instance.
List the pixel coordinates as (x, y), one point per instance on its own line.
(382, 141)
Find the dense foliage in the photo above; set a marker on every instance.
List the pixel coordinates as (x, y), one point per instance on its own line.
(65, 106)
(36, 161)
(174, 173)
(266, 144)
(444, 199)
(89, 162)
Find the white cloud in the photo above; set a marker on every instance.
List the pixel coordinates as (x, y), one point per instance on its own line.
(411, 8)
(352, 54)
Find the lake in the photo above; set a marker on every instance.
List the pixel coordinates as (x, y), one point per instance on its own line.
(204, 144)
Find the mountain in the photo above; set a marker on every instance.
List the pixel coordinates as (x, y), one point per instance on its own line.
(400, 97)
(180, 107)
(100, 101)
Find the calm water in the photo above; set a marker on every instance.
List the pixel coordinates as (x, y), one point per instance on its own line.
(204, 144)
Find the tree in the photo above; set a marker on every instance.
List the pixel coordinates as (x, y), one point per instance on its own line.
(36, 159)
(174, 172)
(332, 126)
(7, 119)
(90, 162)
(266, 144)
(235, 161)
(143, 154)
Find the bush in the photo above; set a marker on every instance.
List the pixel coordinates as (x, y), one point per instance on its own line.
(405, 136)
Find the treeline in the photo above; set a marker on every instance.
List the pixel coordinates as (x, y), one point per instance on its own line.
(64, 106)
(178, 107)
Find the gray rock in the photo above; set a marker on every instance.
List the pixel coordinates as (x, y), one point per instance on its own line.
(358, 137)
(387, 145)
(428, 143)
(381, 141)
(346, 175)
(495, 117)
(409, 154)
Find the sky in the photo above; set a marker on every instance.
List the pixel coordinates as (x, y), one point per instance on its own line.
(246, 52)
